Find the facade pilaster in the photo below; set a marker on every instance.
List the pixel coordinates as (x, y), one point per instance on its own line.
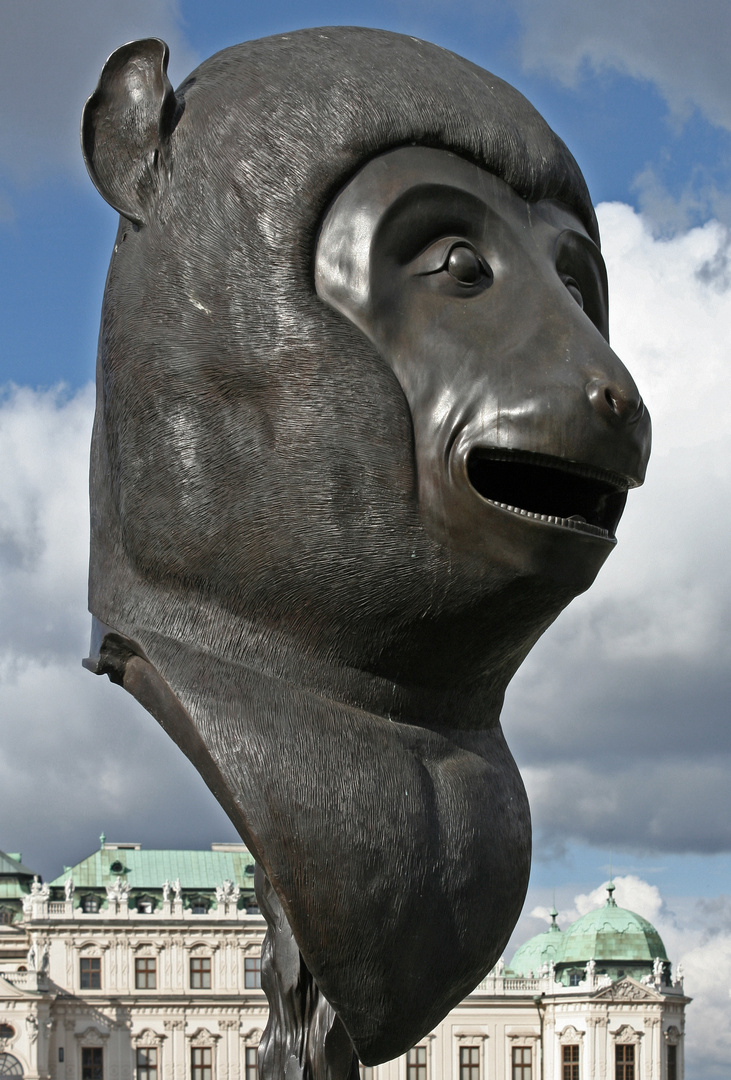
(174, 1063)
(652, 1049)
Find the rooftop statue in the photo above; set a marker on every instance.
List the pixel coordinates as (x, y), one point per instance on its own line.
(360, 437)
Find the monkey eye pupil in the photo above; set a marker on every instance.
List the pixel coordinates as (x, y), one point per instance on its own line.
(464, 265)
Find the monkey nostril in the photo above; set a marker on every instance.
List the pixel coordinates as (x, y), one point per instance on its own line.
(614, 403)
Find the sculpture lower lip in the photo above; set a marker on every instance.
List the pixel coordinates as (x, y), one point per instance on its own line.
(564, 494)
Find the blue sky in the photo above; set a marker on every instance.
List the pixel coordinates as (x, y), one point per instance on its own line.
(620, 717)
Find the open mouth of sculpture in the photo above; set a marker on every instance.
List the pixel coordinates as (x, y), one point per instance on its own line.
(547, 489)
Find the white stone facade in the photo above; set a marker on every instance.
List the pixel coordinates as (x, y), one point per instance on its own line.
(171, 995)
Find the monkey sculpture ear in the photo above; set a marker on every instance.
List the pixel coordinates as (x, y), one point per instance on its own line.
(126, 127)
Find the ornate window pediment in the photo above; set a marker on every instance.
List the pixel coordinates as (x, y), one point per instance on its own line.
(148, 1037)
(90, 948)
(672, 1035)
(146, 948)
(203, 1037)
(92, 1036)
(626, 1034)
(202, 948)
(570, 1034)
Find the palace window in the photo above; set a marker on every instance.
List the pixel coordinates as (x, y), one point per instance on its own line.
(6, 916)
(90, 973)
(201, 1060)
(252, 972)
(146, 1063)
(251, 1063)
(570, 1062)
(92, 1063)
(624, 1061)
(522, 1063)
(416, 1063)
(469, 1063)
(6, 1031)
(90, 904)
(200, 973)
(145, 972)
(672, 1062)
(10, 1066)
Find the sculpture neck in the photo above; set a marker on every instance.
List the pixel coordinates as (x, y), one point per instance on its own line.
(275, 660)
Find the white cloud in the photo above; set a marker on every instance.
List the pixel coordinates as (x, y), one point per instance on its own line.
(631, 892)
(700, 199)
(51, 55)
(680, 47)
(620, 715)
(44, 547)
(83, 756)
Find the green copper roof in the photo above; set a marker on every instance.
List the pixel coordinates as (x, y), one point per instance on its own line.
(12, 866)
(15, 878)
(607, 934)
(149, 869)
(611, 933)
(539, 950)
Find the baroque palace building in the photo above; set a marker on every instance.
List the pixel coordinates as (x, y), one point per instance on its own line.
(144, 965)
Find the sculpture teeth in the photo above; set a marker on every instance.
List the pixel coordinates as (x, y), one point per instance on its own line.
(576, 522)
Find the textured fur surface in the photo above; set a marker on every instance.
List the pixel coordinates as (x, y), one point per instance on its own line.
(255, 520)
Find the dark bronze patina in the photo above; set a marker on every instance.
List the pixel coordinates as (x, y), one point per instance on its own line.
(359, 439)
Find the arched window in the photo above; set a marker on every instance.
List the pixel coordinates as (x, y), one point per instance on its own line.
(10, 1066)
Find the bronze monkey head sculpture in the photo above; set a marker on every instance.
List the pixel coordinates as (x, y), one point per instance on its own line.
(359, 439)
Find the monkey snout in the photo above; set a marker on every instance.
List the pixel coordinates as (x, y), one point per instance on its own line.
(622, 405)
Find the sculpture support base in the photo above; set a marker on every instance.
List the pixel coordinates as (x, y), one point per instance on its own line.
(304, 1038)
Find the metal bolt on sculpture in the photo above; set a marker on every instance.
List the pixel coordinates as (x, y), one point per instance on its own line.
(359, 439)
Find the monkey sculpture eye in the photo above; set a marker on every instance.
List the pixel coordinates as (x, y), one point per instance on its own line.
(464, 265)
(457, 258)
(573, 287)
